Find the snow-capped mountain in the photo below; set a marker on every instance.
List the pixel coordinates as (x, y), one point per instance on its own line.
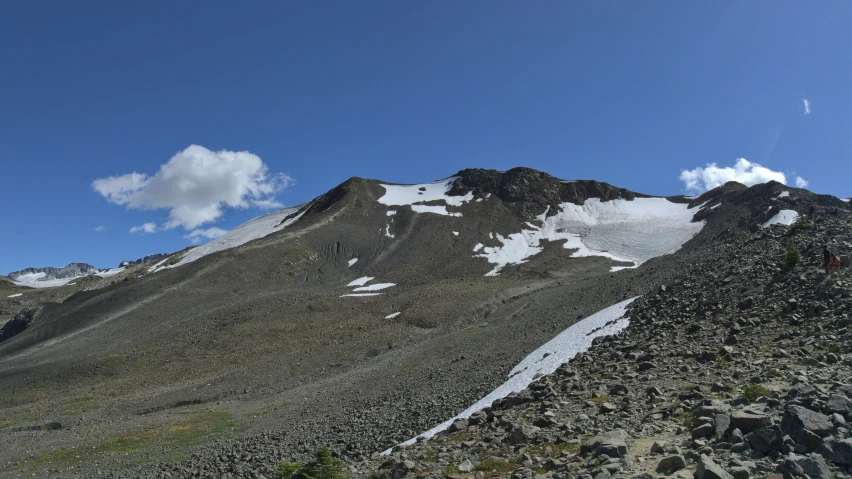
(389, 308)
(32, 275)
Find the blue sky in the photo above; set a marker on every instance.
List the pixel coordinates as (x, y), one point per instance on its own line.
(630, 93)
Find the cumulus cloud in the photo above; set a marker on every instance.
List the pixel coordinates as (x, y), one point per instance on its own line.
(98, 229)
(210, 233)
(144, 228)
(801, 182)
(745, 172)
(807, 104)
(196, 185)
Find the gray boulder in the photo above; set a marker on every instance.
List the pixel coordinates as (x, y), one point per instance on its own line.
(803, 425)
(813, 465)
(748, 422)
(707, 469)
(837, 450)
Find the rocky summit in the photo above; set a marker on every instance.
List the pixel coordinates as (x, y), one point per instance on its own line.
(490, 324)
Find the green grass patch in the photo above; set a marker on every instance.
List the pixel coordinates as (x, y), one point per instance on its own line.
(600, 399)
(686, 419)
(551, 449)
(81, 404)
(493, 464)
(177, 437)
(754, 391)
(322, 466)
(269, 409)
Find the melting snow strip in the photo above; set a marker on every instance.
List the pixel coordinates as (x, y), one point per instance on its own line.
(391, 212)
(352, 261)
(784, 194)
(784, 217)
(375, 287)
(393, 315)
(361, 281)
(21, 294)
(388, 233)
(546, 359)
(478, 247)
(360, 294)
(456, 233)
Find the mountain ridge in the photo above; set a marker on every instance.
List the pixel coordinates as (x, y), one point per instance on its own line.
(277, 316)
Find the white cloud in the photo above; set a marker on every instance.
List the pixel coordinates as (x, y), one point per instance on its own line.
(743, 171)
(210, 233)
(801, 182)
(145, 228)
(196, 185)
(807, 104)
(98, 229)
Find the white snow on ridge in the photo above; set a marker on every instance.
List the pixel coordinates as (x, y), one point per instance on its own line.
(248, 231)
(360, 281)
(784, 217)
(31, 277)
(630, 231)
(846, 199)
(784, 194)
(21, 294)
(375, 287)
(393, 315)
(399, 195)
(546, 359)
(352, 261)
(33, 280)
(437, 209)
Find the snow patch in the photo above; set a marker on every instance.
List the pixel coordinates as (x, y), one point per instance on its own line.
(629, 231)
(455, 233)
(391, 212)
(546, 359)
(412, 195)
(21, 294)
(784, 217)
(248, 231)
(33, 280)
(361, 281)
(375, 287)
(393, 315)
(352, 261)
(438, 210)
(846, 199)
(784, 194)
(715, 206)
(360, 294)
(478, 247)
(388, 233)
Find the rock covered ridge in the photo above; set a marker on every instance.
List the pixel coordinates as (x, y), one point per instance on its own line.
(741, 369)
(73, 270)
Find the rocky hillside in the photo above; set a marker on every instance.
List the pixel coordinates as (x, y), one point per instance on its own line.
(73, 270)
(741, 367)
(319, 325)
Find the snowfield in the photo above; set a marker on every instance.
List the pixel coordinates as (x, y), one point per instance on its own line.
(784, 217)
(33, 280)
(15, 295)
(248, 231)
(629, 231)
(546, 359)
(413, 195)
(375, 287)
(784, 194)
